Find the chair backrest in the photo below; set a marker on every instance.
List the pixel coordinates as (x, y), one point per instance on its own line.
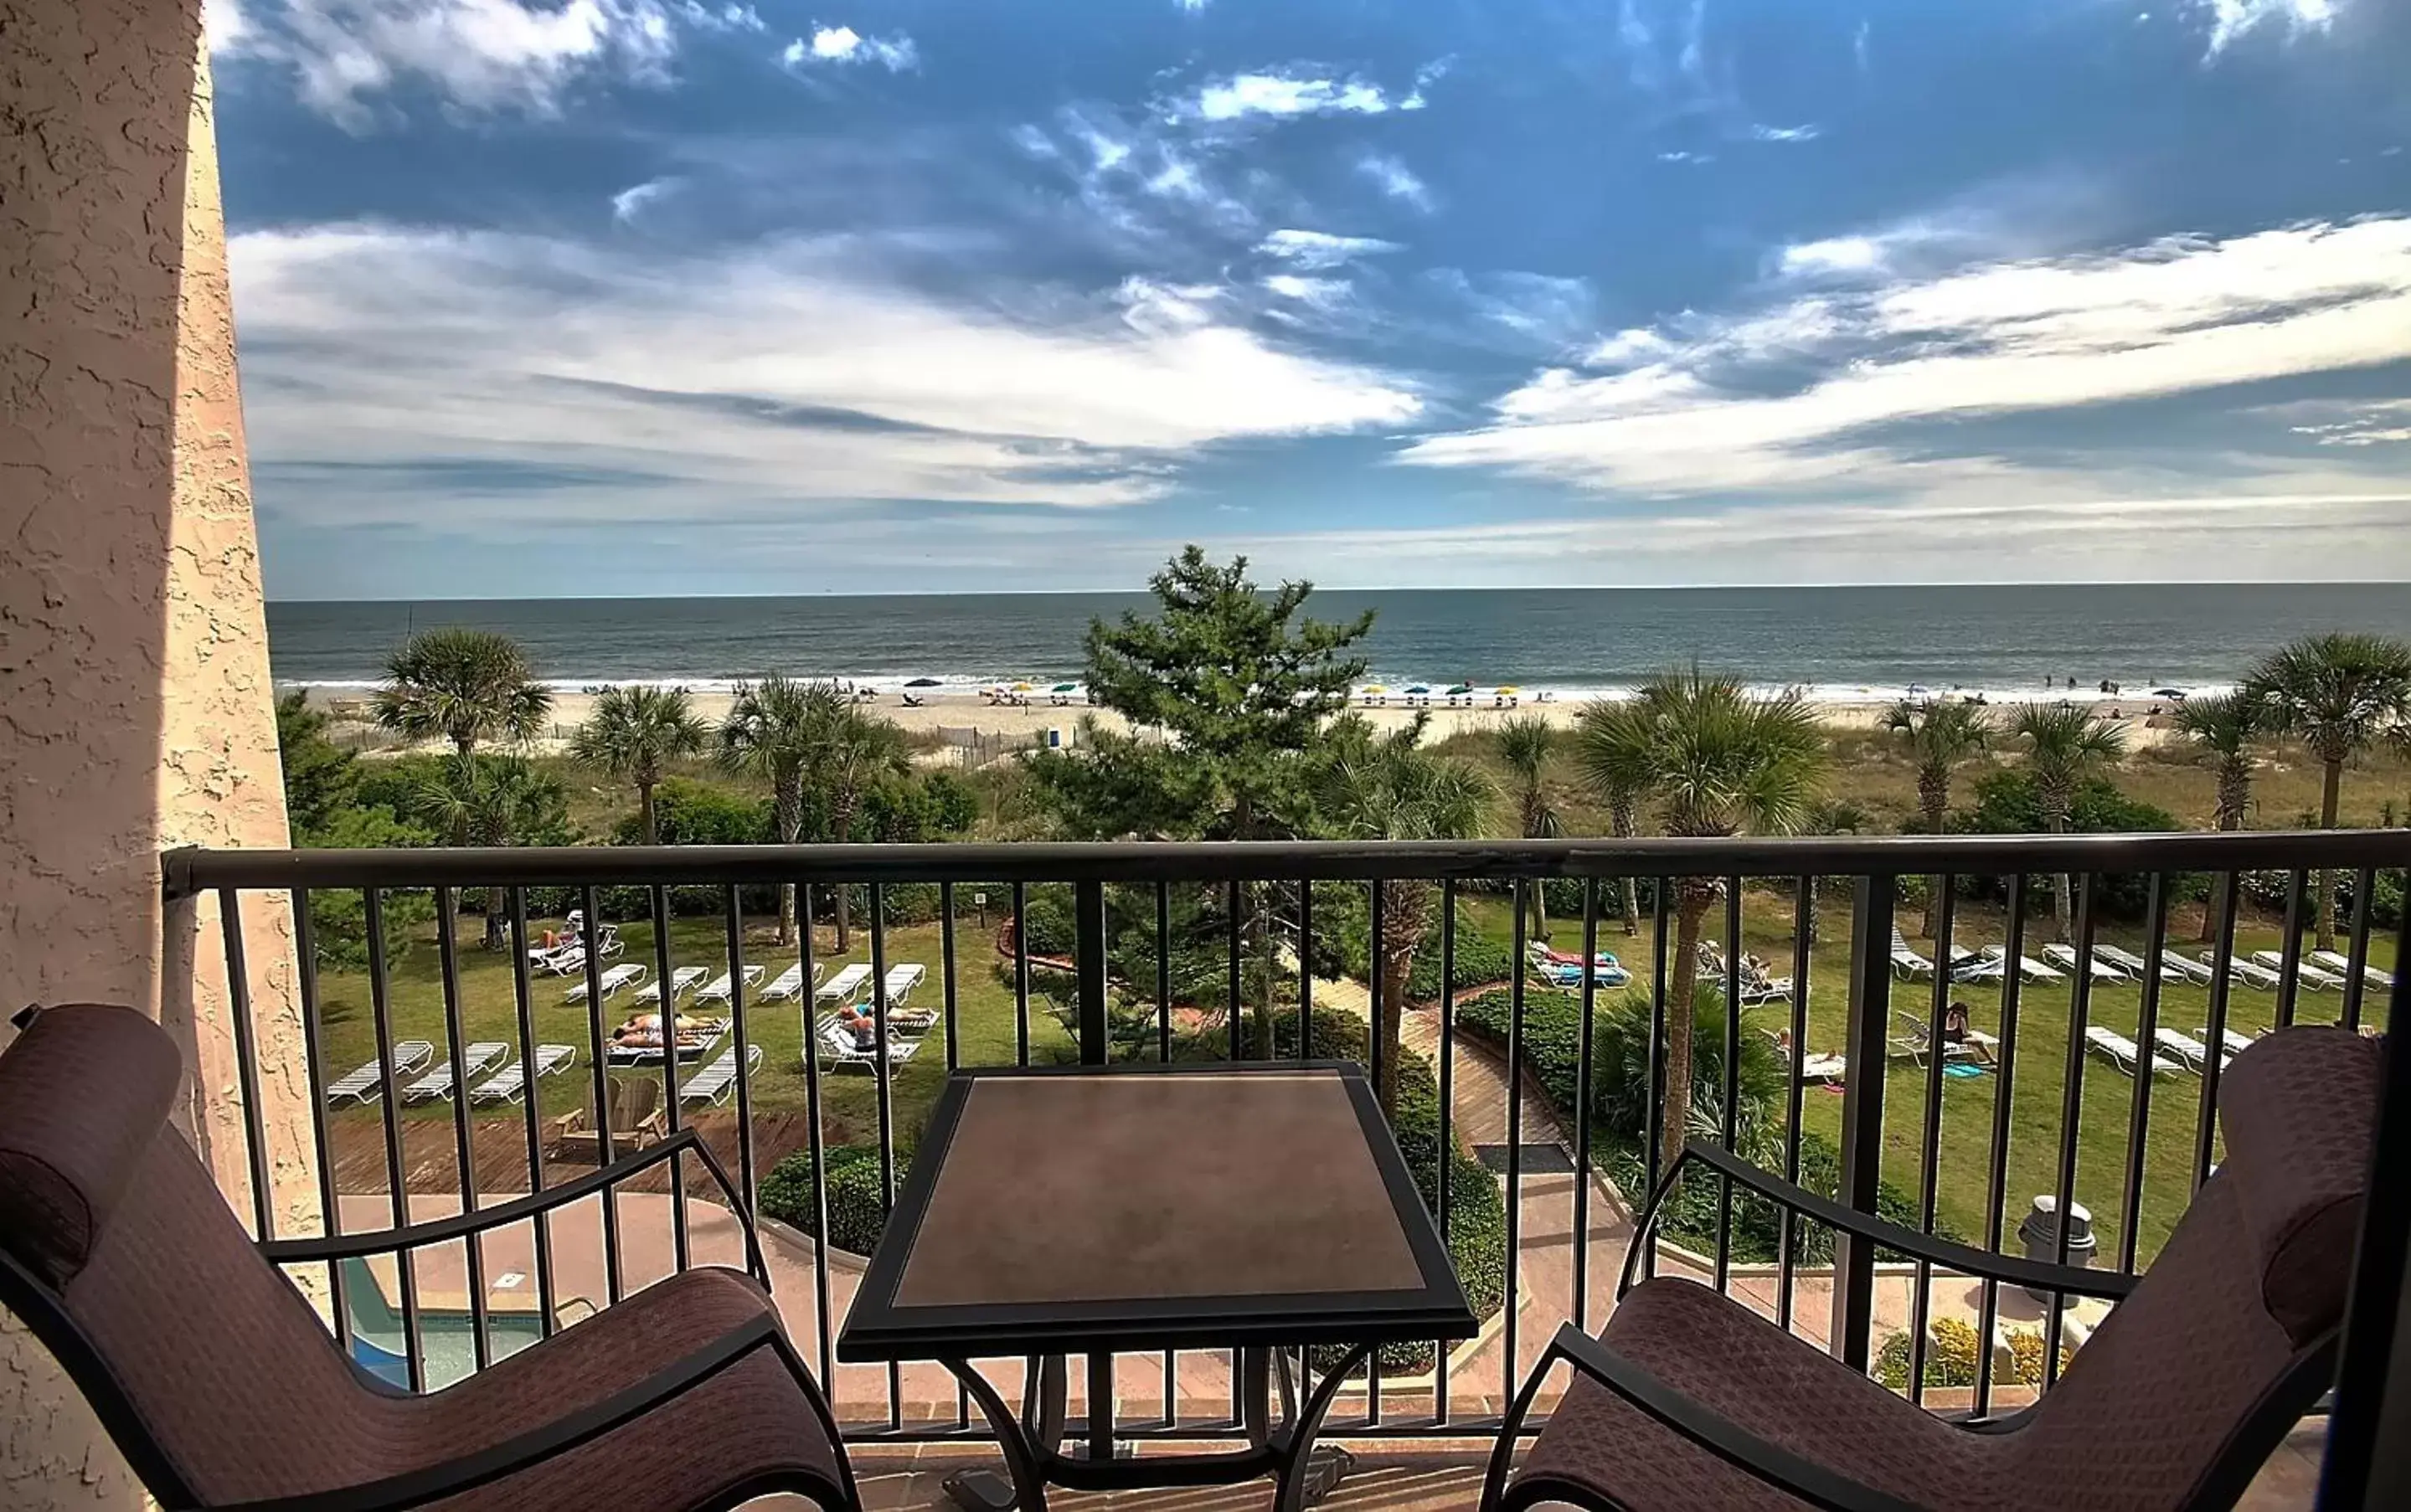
(215, 1378)
(2229, 1336)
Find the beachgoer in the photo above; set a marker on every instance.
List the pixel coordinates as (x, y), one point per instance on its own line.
(1954, 1023)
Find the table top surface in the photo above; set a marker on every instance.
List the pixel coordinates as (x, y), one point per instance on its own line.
(1056, 1209)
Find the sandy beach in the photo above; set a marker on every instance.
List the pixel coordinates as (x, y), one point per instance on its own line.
(939, 712)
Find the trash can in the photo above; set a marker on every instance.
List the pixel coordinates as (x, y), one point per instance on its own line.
(2041, 1231)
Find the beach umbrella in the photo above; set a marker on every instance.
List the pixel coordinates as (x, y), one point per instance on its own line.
(1021, 687)
(2168, 692)
(1511, 688)
(1460, 688)
(1065, 688)
(923, 682)
(1372, 687)
(1420, 687)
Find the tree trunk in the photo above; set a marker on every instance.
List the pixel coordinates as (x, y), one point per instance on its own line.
(1539, 912)
(2331, 789)
(496, 906)
(1692, 897)
(2062, 908)
(787, 807)
(841, 825)
(651, 826)
(1619, 819)
(2234, 798)
(1260, 908)
(1404, 919)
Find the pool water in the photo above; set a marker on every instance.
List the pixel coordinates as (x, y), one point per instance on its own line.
(446, 1336)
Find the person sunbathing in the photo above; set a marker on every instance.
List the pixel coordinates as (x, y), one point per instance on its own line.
(644, 1031)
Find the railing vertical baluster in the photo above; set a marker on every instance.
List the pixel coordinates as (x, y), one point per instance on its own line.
(1657, 1155)
(947, 1008)
(1728, 1124)
(1376, 942)
(246, 1062)
(1996, 1195)
(2147, 1045)
(2205, 1139)
(405, 1265)
(2071, 1112)
(590, 933)
(886, 1078)
(1515, 1148)
(1021, 973)
(748, 1186)
(1232, 1015)
(2364, 887)
(1930, 1136)
(1164, 973)
(1089, 910)
(305, 962)
(2289, 949)
(665, 978)
(1305, 968)
(531, 1094)
(1376, 937)
(1582, 1100)
(1804, 904)
(1447, 1156)
(448, 946)
(1862, 1101)
(809, 998)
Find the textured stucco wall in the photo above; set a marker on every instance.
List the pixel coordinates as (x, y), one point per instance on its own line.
(135, 703)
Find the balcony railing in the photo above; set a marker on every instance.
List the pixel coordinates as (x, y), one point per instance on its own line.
(2120, 1122)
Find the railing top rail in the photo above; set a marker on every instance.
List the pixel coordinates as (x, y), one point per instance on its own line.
(190, 871)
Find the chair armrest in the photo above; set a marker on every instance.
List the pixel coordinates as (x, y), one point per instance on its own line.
(461, 1225)
(1727, 1441)
(2109, 1285)
(521, 1451)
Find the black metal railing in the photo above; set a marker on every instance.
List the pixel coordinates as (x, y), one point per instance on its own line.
(1772, 891)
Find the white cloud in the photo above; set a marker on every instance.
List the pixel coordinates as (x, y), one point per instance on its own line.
(480, 55)
(1320, 293)
(1859, 47)
(628, 202)
(1713, 403)
(1314, 251)
(724, 18)
(1921, 245)
(843, 45)
(1786, 134)
(223, 24)
(1396, 180)
(2232, 19)
(1289, 94)
(1192, 6)
(764, 379)
(2383, 422)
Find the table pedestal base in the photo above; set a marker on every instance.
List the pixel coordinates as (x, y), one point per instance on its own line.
(1032, 1440)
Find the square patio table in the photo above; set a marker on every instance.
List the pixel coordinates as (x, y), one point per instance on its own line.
(1262, 1207)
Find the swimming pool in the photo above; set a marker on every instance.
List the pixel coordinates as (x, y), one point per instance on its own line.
(447, 1334)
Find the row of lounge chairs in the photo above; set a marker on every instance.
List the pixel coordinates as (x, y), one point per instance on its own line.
(833, 1031)
(2172, 1050)
(365, 1085)
(2318, 970)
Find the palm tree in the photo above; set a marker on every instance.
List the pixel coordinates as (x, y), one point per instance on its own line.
(483, 800)
(1941, 737)
(465, 685)
(1716, 762)
(2225, 727)
(2339, 693)
(846, 752)
(1525, 744)
(767, 733)
(1391, 788)
(636, 731)
(1610, 740)
(2065, 745)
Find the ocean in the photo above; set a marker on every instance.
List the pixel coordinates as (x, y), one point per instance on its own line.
(1842, 644)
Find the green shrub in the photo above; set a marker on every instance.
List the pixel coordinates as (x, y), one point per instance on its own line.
(2007, 802)
(857, 1209)
(1951, 1357)
(1343, 946)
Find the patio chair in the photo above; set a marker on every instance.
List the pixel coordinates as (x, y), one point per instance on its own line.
(1690, 1400)
(712, 1084)
(637, 1119)
(682, 980)
(437, 1084)
(788, 982)
(2304, 972)
(722, 988)
(2243, 971)
(366, 1084)
(2341, 964)
(222, 1386)
(1904, 959)
(609, 982)
(2124, 1054)
(508, 1084)
(2066, 956)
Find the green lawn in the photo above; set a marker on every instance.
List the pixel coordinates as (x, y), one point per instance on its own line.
(985, 1021)
(1964, 1157)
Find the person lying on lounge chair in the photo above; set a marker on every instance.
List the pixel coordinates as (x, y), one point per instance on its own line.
(644, 1031)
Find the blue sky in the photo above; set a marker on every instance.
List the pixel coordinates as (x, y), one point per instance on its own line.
(687, 297)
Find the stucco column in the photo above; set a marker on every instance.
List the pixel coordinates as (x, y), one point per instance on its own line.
(135, 710)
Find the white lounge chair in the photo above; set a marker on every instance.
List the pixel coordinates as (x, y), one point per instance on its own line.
(565, 959)
(367, 1084)
(901, 980)
(682, 980)
(788, 982)
(2245, 971)
(846, 986)
(2191, 970)
(2126, 1054)
(837, 1044)
(2171, 967)
(507, 1085)
(2341, 964)
(620, 976)
(722, 988)
(2235, 1043)
(479, 1058)
(2066, 955)
(1992, 963)
(2304, 972)
(2184, 1047)
(1904, 959)
(712, 1084)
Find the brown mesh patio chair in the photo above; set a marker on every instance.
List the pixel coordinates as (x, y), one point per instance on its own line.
(223, 1388)
(1688, 1399)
